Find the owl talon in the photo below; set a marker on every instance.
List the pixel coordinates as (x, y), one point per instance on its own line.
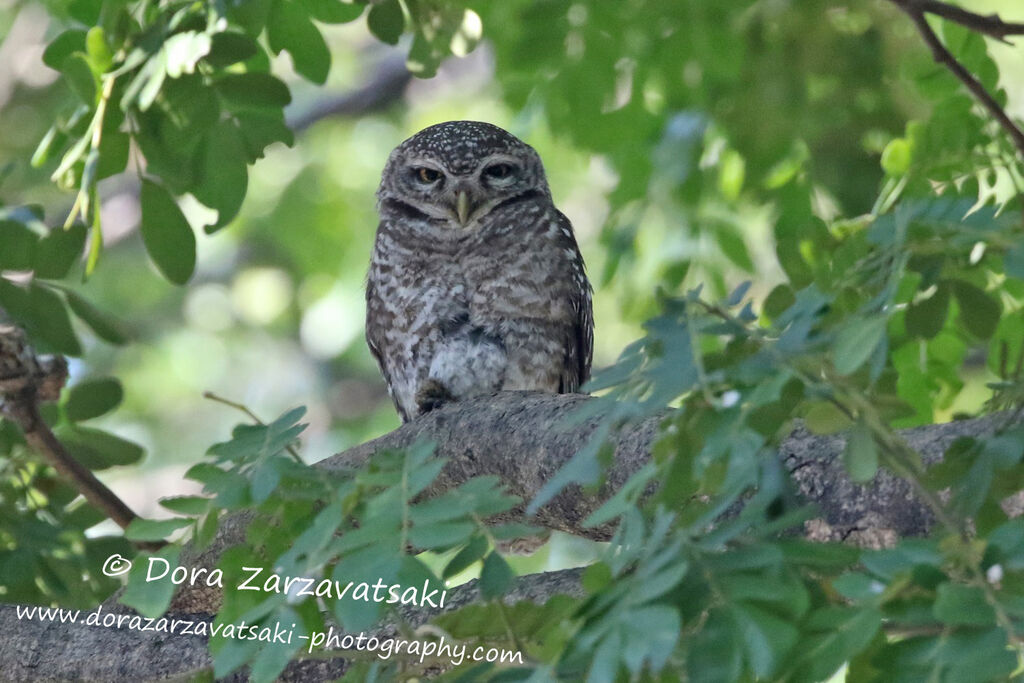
(432, 395)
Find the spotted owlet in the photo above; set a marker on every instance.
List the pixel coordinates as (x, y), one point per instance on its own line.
(476, 284)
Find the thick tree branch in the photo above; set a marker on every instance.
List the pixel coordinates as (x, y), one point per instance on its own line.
(34, 649)
(918, 10)
(524, 438)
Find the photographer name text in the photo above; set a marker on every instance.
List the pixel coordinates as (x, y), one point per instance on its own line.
(256, 579)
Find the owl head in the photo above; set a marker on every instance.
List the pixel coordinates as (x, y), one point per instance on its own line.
(457, 172)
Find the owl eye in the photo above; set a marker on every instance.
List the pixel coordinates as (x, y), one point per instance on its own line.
(426, 175)
(500, 171)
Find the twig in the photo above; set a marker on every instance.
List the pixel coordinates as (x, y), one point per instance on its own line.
(916, 10)
(25, 380)
(991, 25)
(253, 416)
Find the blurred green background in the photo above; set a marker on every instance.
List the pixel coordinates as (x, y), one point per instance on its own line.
(273, 316)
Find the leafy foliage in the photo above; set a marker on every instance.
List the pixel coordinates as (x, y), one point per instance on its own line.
(357, 526)
(46, 553)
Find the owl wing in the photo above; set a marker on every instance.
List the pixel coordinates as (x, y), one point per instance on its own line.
(376, 331)
(579, 348)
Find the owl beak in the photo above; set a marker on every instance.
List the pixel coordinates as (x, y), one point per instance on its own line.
(462, 206)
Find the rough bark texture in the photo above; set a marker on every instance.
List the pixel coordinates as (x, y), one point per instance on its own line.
(524, 438)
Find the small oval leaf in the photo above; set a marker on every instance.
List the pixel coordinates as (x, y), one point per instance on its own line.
(386, 21)
(168, 237)
(926, 318)
(99, 450)
(93, 398)
(861, 455)
(58, 251)
(856, 342)
(978, 311)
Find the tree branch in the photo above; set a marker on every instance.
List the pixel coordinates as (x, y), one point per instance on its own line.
(385, 87)
(35, 649)
(25, 381)
(524, 438)
(917, 10)
(991, 25)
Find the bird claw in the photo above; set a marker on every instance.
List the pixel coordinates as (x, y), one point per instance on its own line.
(432, 395)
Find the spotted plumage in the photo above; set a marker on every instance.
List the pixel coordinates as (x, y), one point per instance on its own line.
(476, 283)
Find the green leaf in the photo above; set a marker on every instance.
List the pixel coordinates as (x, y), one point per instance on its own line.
(289, 28)
(386, 21)
(229, 48)
(495, 577)
(264, 477)
(250, 443)
(960, 604)
(441, 535)
(467, 36)
(206, 530)
(154, 529)
(93, 398)
(46, 319)
(715, 651)
(17, 245)
(926, 318)
(910, 553)
(155, 74)
(979, 312)
(62, 47)
(151, 598)
(97, 50)
(184, 50)
(856, 342)
(114, 149)
(473, 551)
(250, 15)
(168, 237)
(823, 417)
(54, 141)
(734, 247)
(222, 178)
(731, 174)
(152, 70)
(99, 450)
(896, 157)
(253, 91)
(261, 130)
(58, 251)
(767, 639)
(333, 11)
(423, 58)
(186, 505)
(105, 327)
(841, 633)
(861, 455)
(85, 11)
(79, 75)
(71, 157)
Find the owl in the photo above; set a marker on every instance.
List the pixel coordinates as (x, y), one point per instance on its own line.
(476, 284)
